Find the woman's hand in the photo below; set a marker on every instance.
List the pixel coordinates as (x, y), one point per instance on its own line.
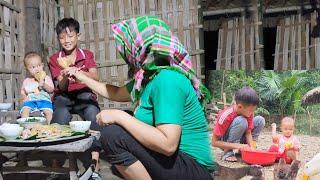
(163, 138)
(109, 116)
(72, 73)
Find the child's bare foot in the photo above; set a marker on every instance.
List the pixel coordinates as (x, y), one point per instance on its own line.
(95, 159)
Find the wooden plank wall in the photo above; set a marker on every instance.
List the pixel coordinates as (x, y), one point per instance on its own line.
(239, 45)
(11, 50)
(296, 48)
(96, 17)
(49, 17)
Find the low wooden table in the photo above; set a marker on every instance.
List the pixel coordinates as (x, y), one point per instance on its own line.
(70, 148)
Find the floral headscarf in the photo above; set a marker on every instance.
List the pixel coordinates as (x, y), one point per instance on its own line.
(142, 39)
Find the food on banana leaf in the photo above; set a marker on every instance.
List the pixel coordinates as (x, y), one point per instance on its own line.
(52, 131)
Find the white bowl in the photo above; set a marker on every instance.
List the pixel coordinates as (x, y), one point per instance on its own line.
(80, 126)
(5, 106)
(31, 121)
(10, 131)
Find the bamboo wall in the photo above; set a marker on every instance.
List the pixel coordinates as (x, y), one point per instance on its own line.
(11, 50)
(296, 47)
(239, 45)
(95, 18)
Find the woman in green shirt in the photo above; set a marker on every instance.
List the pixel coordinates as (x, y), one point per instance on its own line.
(167, 136)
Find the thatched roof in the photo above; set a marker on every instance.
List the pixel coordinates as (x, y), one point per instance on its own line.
(311, 97)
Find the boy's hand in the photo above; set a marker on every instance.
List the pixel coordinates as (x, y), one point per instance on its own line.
(69, 72)
(64, 73)
(244, 146)
(76, 73)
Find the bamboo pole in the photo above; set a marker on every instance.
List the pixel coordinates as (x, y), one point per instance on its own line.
(266, 11)
(285, 45)
(299, 42)
(219, 53)
(247, 46)
(229, 46)
(243, 42)
(237, 44)
(310, 121)
(224, 44)
(303, 44)
(293, 44)
(307, 55)
(252, 47)
(313, 19)
(277, 48)
(281, 37)
(257, 35)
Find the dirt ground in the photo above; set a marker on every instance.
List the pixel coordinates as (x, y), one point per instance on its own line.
(310, 147)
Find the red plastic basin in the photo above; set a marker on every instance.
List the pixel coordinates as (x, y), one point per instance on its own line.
(258, 157)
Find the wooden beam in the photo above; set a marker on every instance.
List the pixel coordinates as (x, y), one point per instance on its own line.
(241, 9)
(9, 71)
(10, 6)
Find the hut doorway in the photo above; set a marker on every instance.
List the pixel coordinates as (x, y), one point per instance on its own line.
(237, 43)
(269, 36)
(210, 49)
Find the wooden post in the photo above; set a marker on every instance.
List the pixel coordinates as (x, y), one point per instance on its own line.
(310, 121)
(299, 41)
(252, 46)
(228, 56)
(313, 19)
(286, 44)
(219, 51)
(303, 43)
(293, 44)
(281, 36)
(32, 29)
(277, 48)
(237, 44)
(224, 45)
(258, 35)
(307, 44)
(243, 41)
(247, 48)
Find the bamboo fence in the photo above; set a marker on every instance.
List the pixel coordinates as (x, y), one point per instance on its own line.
(95, 18)
(11, 52)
